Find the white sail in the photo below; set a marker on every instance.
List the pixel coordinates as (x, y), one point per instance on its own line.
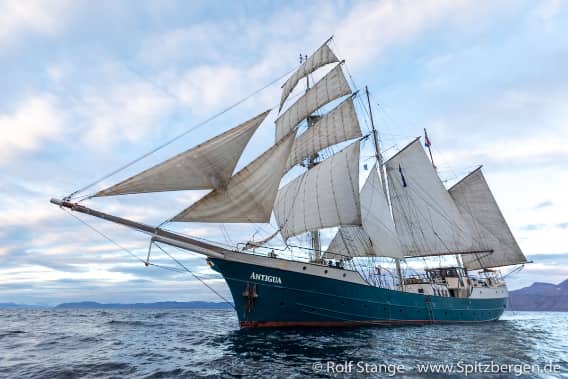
(206, 166)
(337, 126)
(325, 196)
(250, 193)
(479, 208)
(332, 86)
(319, 58)
(427, 220)
(350, 241)
(377, 236)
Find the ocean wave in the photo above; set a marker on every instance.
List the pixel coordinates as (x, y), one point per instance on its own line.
(169, 344)
(133, 323)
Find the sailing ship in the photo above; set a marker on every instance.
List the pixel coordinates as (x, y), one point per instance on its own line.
(402, 212)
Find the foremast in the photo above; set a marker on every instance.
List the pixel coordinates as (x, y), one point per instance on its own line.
(311, 162)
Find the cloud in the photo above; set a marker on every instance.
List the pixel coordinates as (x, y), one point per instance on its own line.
(544, 204)
(372, 27)
(35, 121)
(126, 113)
(192, 69)
(549, 268)
(562, 225)
(33, 16)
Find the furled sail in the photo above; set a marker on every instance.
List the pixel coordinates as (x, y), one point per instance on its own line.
(206, 166)
(427, 220)
(479, 208)
(319, 58)
(337, 126)
(325, 196)
(377, 235)
(332, 86)
(250, 193)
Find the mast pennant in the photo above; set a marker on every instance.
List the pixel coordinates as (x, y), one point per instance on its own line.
(339, 125)
(426, 218)
(332, 86)
(479, 208)
(323, 197)
(206, 166)
(250, 193)
(319, 58)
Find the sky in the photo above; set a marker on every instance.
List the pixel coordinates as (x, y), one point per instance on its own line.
(90, 86)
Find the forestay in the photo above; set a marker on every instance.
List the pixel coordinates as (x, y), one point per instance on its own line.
(339, 125)
(479, 208)
(325, 196)
(206, 166)
(250, 193)
(332, 86)
(377, 236)
(319, 58)
(427, 220)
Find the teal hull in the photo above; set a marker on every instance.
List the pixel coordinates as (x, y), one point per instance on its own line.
(272, 297)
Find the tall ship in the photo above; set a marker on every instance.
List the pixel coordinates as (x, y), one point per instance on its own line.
(375, 268)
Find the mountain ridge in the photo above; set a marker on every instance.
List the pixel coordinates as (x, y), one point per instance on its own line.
(155, 305)
(540, 296)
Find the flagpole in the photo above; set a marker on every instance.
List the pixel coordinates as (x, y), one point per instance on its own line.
(428, 144)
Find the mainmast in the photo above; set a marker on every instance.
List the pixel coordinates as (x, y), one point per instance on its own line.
(379, 157)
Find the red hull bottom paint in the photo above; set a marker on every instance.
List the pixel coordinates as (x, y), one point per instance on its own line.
(334, 324)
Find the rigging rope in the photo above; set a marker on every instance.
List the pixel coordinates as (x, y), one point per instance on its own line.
(195, 276)
(118, 245)
(172, 140)
(147, 263)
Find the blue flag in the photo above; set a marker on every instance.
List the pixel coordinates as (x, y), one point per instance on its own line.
(402, 176)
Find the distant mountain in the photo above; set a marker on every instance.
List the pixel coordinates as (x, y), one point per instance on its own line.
(540, 297)
(158, 305)
(14, 306)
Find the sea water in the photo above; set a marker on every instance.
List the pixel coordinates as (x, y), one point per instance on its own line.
(91, 343)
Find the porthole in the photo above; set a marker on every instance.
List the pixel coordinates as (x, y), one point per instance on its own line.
(325, 272)
(304, 268)
(344, 275)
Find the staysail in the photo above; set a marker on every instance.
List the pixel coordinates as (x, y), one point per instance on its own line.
(325, 196)
(427, 220)
(332, 86)
(350, 241)
(377, 235)
(250, 193)
(479, 208)
(339, 125)
(206, 166)
(319, 58)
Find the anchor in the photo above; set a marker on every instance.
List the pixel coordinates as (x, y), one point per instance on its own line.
(250, 296)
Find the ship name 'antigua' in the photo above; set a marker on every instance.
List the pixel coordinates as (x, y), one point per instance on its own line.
(265, 278)
(305, 188)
